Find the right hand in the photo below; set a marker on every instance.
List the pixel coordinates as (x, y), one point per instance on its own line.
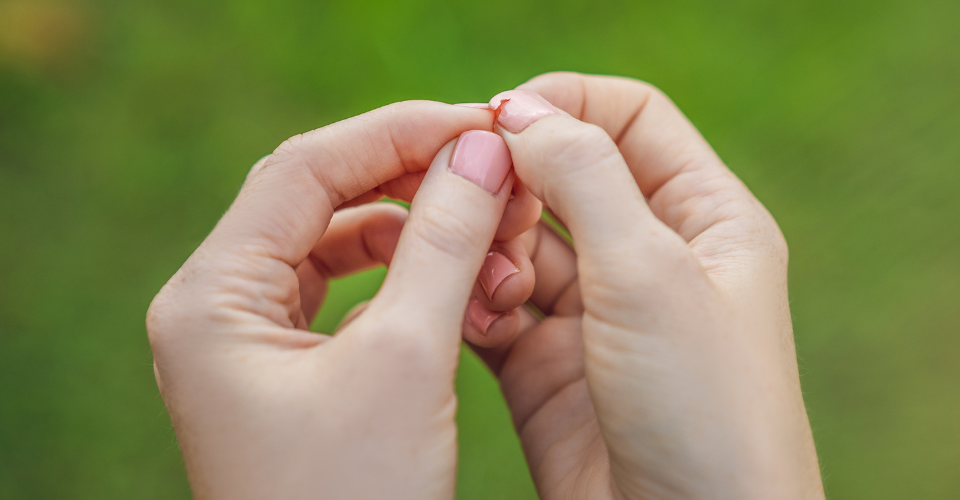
(665, 367)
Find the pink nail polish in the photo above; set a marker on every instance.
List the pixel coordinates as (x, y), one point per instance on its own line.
(496, 268)
(482, 158)
(518, 109)
(478, 105)
(481, 317)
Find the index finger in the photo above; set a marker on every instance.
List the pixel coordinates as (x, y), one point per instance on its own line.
(652, 134)
(285, 207)
(670, 160)
(687, 185)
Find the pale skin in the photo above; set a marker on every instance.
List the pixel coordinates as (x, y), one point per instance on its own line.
(664, 366)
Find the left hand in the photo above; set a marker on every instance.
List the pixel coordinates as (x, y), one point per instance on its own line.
(263, 408)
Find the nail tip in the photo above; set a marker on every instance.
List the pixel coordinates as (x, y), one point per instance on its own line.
(517, 109)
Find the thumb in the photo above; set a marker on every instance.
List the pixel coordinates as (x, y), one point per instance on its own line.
(577, 170)
(452, 222)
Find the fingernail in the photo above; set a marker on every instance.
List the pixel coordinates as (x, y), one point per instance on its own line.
(496, 268)
(517, 109)
(478, 105)
(482, 158)
(481, 317)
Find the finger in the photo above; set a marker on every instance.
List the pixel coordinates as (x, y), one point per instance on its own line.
(255, 169)
(557, 289)
(577, 170)
(483, 327)
(494, 347)
(556, 293)
(365, 198)
(542, 361)
(287, 203)
(506, 278)
(451, 225)
(689, 187)
(656, 140)
(357, 239)
(521, 213)
(284, 209)
(402, 188)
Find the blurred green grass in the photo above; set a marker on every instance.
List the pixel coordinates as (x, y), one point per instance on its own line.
(126, 129)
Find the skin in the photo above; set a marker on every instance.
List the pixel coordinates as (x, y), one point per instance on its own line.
(263, 408)
(664, 366)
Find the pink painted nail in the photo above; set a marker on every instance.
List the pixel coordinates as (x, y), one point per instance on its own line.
(478, 105)
(517, 109)
(496, 268)
(482, 158)
(481, 317)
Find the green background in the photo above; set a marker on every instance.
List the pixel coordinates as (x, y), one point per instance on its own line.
(126, 128)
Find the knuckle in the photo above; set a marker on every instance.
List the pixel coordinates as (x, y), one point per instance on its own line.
(301, 151)
(288, 152)
(580, 148)
(159, 318)
(781, 247)
(291, 146)
(446, 231)
(255, 169)
(651, 92)
(777, 241)
(649, 89)
(170, 309)
(595, 138)
(762, 231)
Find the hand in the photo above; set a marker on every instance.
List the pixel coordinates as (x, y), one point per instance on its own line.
(263, 408)
(665, 366)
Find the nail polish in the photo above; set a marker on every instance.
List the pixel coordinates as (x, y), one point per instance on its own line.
(518, 109)
(481, 317)
(496, 268)
(482, 158)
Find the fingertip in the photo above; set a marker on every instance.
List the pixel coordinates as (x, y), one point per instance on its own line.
(489, 329)
(515, 110)
(506, 279)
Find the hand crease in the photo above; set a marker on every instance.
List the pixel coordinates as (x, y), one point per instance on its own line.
(633, 119)
(522, 425)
